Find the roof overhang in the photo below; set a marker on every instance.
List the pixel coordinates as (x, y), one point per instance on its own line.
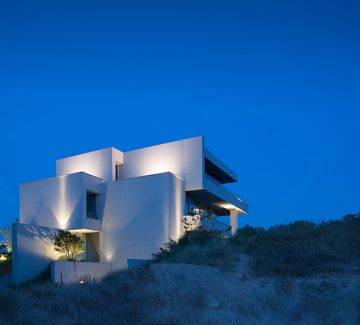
(217, 169)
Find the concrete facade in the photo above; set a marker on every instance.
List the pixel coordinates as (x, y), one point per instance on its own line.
(125, 205)
(140, 235)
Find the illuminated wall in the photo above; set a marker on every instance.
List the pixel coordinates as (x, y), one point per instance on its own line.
(183, 158)
(140, 215)
(32, 251)
(99, 163)
(58, 202)
(137, 214)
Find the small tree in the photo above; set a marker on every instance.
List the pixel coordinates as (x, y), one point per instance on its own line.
(7, 235)
(68, 243)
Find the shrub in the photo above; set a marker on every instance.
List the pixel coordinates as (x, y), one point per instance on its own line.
(197, 247)
(300, 248)
(245, 233)
(305, 248)
(7, 235)
(6, 266)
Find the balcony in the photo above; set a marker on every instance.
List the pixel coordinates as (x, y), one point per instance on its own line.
(225, 199)
(217, 170)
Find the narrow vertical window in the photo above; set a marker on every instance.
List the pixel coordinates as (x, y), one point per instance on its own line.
(91, 205)
(117, 172)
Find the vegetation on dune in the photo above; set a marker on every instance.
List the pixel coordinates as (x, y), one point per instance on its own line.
(184, 294)
(304, 248)
(7, 235)
(6, 266)
(300, 248)
(5, 251)
(198, 247)
(300, 275)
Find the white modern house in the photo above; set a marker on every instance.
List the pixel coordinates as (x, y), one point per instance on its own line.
(125, 205)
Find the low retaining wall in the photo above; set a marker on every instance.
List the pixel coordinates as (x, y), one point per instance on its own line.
(69, 271)
(33, 251)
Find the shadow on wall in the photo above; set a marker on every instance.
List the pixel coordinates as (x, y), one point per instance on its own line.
(63, 214)
(40, 209)
(35, 232)
(33, 251)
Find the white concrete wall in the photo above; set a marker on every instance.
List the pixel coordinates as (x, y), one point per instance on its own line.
(183, 158)
(58, 202)
(99, 163)
(140, 215)
(32, 251)
(68, 271)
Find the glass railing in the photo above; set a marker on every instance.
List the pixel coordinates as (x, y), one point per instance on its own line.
(214, 181)
(215, 225)
(211, 179)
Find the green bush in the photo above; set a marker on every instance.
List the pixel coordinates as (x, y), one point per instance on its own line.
(300, 248)
(245, 233)
(305, 248)
(198, 247)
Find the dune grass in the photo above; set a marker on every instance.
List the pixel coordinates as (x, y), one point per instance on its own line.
(185, 294)
(200, 248)
(300, 248)
(301, 273)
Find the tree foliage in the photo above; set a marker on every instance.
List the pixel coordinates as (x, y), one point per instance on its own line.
(69, 244)
(7, 235)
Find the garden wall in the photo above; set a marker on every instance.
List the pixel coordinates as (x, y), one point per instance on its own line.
(33, 251)
(71, 271)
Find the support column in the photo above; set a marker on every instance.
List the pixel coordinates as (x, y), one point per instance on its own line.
(234, 221)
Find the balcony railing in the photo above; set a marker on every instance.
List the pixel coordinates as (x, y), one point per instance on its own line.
(218, 189)
(212, 179)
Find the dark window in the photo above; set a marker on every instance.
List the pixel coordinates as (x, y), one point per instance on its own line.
(91, 205)
(117, 172)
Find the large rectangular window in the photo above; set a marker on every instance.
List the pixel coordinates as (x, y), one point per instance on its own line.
(91, 199)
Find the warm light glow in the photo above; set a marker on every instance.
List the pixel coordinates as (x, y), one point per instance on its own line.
(109, 256)
(83, 231)
(63, 214)
(229, 206)
(66, 204)
(2, 258)
(158, 160)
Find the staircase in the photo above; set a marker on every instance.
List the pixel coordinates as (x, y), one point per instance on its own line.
(4, 281)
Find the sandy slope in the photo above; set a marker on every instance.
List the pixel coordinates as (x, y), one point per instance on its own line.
(240, 298)
(188, 294)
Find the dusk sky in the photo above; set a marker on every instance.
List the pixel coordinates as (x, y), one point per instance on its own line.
(274, 87)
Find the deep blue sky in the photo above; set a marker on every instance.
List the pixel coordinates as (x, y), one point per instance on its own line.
(273, 86)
